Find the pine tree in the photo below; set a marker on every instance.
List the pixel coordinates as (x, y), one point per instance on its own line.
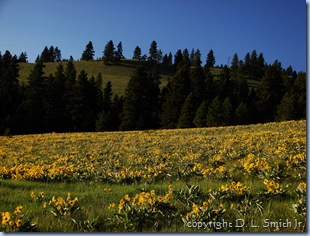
(107, 97)
(240, 90)
(88, 54)
(234, 69)
(165, 60)
(51, 54)
(119, 53)
(23, 57)
(159, 57)
(137, 53)
(270, 92)
(57, 55)
(104, 119)
(228, 112)
(33, 104)
(108, 53)
(138, 102)
(56, 118)
(210, 59)
(188, 112)
(197, 58)
(169, 59)
(241, 114)
(178, 59)
(200, 119)
(215, 113)
(153, 52)
(174, 96)
(300, 95)
(45, 55)
(186, 59)
(246, 67)
(260, 66)
(9, 88)
(286, 110)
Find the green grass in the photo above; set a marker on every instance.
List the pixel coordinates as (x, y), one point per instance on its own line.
(94, 201)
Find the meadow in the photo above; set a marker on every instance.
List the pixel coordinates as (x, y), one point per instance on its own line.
(248, 178)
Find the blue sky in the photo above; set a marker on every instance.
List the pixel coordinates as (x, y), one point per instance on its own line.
(277, 28)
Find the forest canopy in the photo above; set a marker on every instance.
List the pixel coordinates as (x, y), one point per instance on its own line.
(195, 96)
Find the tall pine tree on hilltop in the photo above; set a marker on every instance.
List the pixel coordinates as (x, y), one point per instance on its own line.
(88, 54)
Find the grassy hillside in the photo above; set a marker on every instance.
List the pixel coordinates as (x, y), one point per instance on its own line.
(117, 74)
(159, 180)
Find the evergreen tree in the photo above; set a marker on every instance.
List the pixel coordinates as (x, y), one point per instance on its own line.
(178, 58)
(165, 60)
(300, 95)
(197, 79)
(286, 110)
(107, 97)
(215, 113)
(138, 102)
(153, 52)
(33, 104)
(88, 53)
(192, 56)
(45, 55)
(197, 58)
(188, 112)
(241, 114)
(234, 69)
(9, 88)
(186, 59)
(119, 52)
(170, 59)
(240, 90)
(116, 110)
(159, 56)
(57, 55)
(23, 57)
(246, 67)
(69, 95)
(200, 119)
(270, 92)
(137, 53)
(253, 66)
(210, 59)
(104, 119)
(108, 53)
(51, 54)
(260, 66)
(228, 112)
(174, 96)
(56, 118)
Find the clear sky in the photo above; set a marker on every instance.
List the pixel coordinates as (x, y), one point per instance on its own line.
(277, 28)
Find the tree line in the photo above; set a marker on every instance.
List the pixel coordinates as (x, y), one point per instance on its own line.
(194, 97)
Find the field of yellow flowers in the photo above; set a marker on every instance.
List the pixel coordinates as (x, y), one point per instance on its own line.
(184, 180)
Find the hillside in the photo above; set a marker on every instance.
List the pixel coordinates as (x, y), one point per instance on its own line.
(117, 74)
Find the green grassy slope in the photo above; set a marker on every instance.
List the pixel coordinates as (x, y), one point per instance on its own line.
(119, 75)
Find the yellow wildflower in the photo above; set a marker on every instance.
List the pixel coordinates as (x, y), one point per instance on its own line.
(32, 194)
(18, 223)
(127, 198)
(112, 205)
